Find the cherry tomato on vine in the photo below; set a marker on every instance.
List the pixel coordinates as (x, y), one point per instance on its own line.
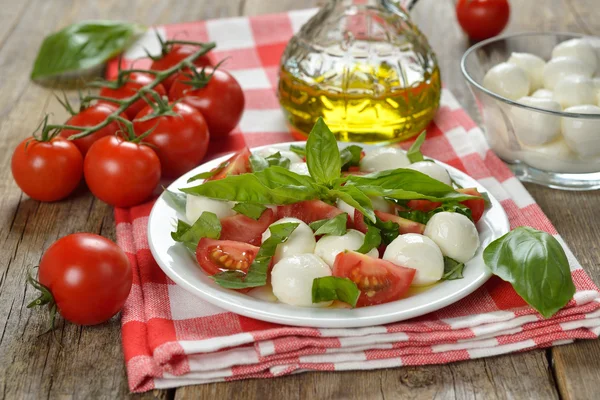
(91, 116)
(482, 19)
(220, 100)
(47, 170)
(88, 277)
(177, 53)
(135, 81)
(180, 141)
(121, 173)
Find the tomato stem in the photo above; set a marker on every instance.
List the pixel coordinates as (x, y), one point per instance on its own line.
(45, 298)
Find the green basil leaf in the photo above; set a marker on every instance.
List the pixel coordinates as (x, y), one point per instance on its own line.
(389, 230)
(207, 226)
(323, 154)
(82, 46)
(414, 152)
(372, 239)
(203, 175)
(536, 266)
(399, 195)
(452, 269)
(329, 288)
(259, 163)
(402, 179)
(350, 156)
(424, 217)
(175, 200)
(300, 150)
(356, 198)
(251, 210)
(416, 215)
(334, 226)
(257, 273)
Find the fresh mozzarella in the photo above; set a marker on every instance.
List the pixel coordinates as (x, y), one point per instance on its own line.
(384, 158)
(329, 246)
(582, 135)
(455, 235)
(558, 68)
(290, 155)
(378, 203)
(574, 90)
(433, 170)
(292, 279)
(300, 168)
(543, 94)
(580, 49)
(418, 252)
(536, 128)
(301, 241)
(532, 65)
(196, 205)
(507, 80)
(554, 156)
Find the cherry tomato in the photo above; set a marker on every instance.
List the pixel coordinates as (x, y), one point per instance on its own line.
(308, 211)
(121, 173)
(215, 256)
(379, 281)
(179, 141)
(245, 229)
(135, 81)
(47, 171)
(88, 275)
(404, 225)
(221, 101)
(477, 206)
(238, 164)
(91, 116)
(176, 54)
(482, 19)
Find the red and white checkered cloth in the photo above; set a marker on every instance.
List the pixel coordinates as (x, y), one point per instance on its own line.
(171, 338)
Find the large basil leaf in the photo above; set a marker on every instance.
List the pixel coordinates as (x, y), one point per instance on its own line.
(208, 225)
(323, 154)
(334, 226)
(401, 194)
(404, 179)
(536, 265)
(328, 288)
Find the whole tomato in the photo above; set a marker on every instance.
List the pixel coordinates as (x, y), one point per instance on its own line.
(219, 98)
(47, 170)
(91, 116)
(135, 81)
(176, 53)
(482, 19)
(179, 141)
(121, 173)
(88, 277)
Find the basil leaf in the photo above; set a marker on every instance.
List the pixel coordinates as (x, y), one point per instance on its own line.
(372, 240)
(452, 269)
(403, 179)
(350, 156)
(259, 163)
(356, 198)
(300, 150)
(175, 200)
(251, 210)
(414, 152)
(323, 154)
(257, 273)
(208, 225)
(334, 226)
(416, 215)
(203, 175)
(536, 266)
(328, 288)
(83, 46)
(424, 217)
(389, 230)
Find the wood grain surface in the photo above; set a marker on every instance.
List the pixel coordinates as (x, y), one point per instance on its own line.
(88, 362)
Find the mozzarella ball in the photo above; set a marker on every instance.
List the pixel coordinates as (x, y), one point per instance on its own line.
(301, 241)
(507, 80)
(583, 135)
(558, 68)
(500, 136)
(384, 158)
(574, 90)
(418, 252)
(300, 168)
(543, 94)
(580, 49)
(532, 65)
(329, 246)
(290, 155)
(432, 170)
(381, 204)
(345, 207)
(554, 157)
(196, 205)
(455, 235)
(292, 279)
(536, 128)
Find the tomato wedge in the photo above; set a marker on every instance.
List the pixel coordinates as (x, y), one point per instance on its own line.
(241, 228)
(238, 164)
(379, 281)
(477, 206)
(404, 225)
(215, 256)
(423, 205)
(308, 211)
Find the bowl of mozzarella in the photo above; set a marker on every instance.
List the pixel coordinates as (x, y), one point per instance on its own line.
(539, 98)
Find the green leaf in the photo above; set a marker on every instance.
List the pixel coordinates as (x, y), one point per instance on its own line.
(82, 46)
(403, 179)
(356, 198)
(536, 265)
(329, 288)
(323, 154)
(251, 210)
(414, 152)
(257, 273)
(202, 175)
(259, 163)
(207, 226)
(452, 269)
(424, 217)
(389, 230)
(372, 239)
(350, 156)
(300, 150)
(334, 226)
(175, 200)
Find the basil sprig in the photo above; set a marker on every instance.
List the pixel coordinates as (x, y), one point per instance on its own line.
(328, 288)
(335, 226)
(207, 226)
(323, 154)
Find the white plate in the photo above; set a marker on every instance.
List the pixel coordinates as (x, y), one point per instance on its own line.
(182, 268)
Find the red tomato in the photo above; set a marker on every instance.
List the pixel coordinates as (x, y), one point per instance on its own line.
(238, 164)
(240, 228)
(308, 211)
(221, 101)
(379, 281)
(176, 54)
(404, 225)
(47, 171)
(179, 141)
(482, 19)
(88, 275)
(423, 205)
(121, 173)
(91, 116)
(136, 80)
(215, 256)
(477, 206)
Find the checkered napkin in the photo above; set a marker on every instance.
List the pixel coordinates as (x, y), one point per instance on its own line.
(171, 338)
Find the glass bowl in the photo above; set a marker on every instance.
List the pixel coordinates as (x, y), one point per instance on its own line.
(561, 164)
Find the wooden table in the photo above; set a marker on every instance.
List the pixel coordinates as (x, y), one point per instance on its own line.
(89, 363)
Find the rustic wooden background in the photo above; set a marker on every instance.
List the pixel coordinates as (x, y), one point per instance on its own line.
(89, 361)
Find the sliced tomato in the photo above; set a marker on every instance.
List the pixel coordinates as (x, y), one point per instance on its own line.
(379, 281)
(477, 206)
(404, 225)
(215, 256)
(359, 221)
(423, 205)
(238, 164)
(308, 211)
(245, 229)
